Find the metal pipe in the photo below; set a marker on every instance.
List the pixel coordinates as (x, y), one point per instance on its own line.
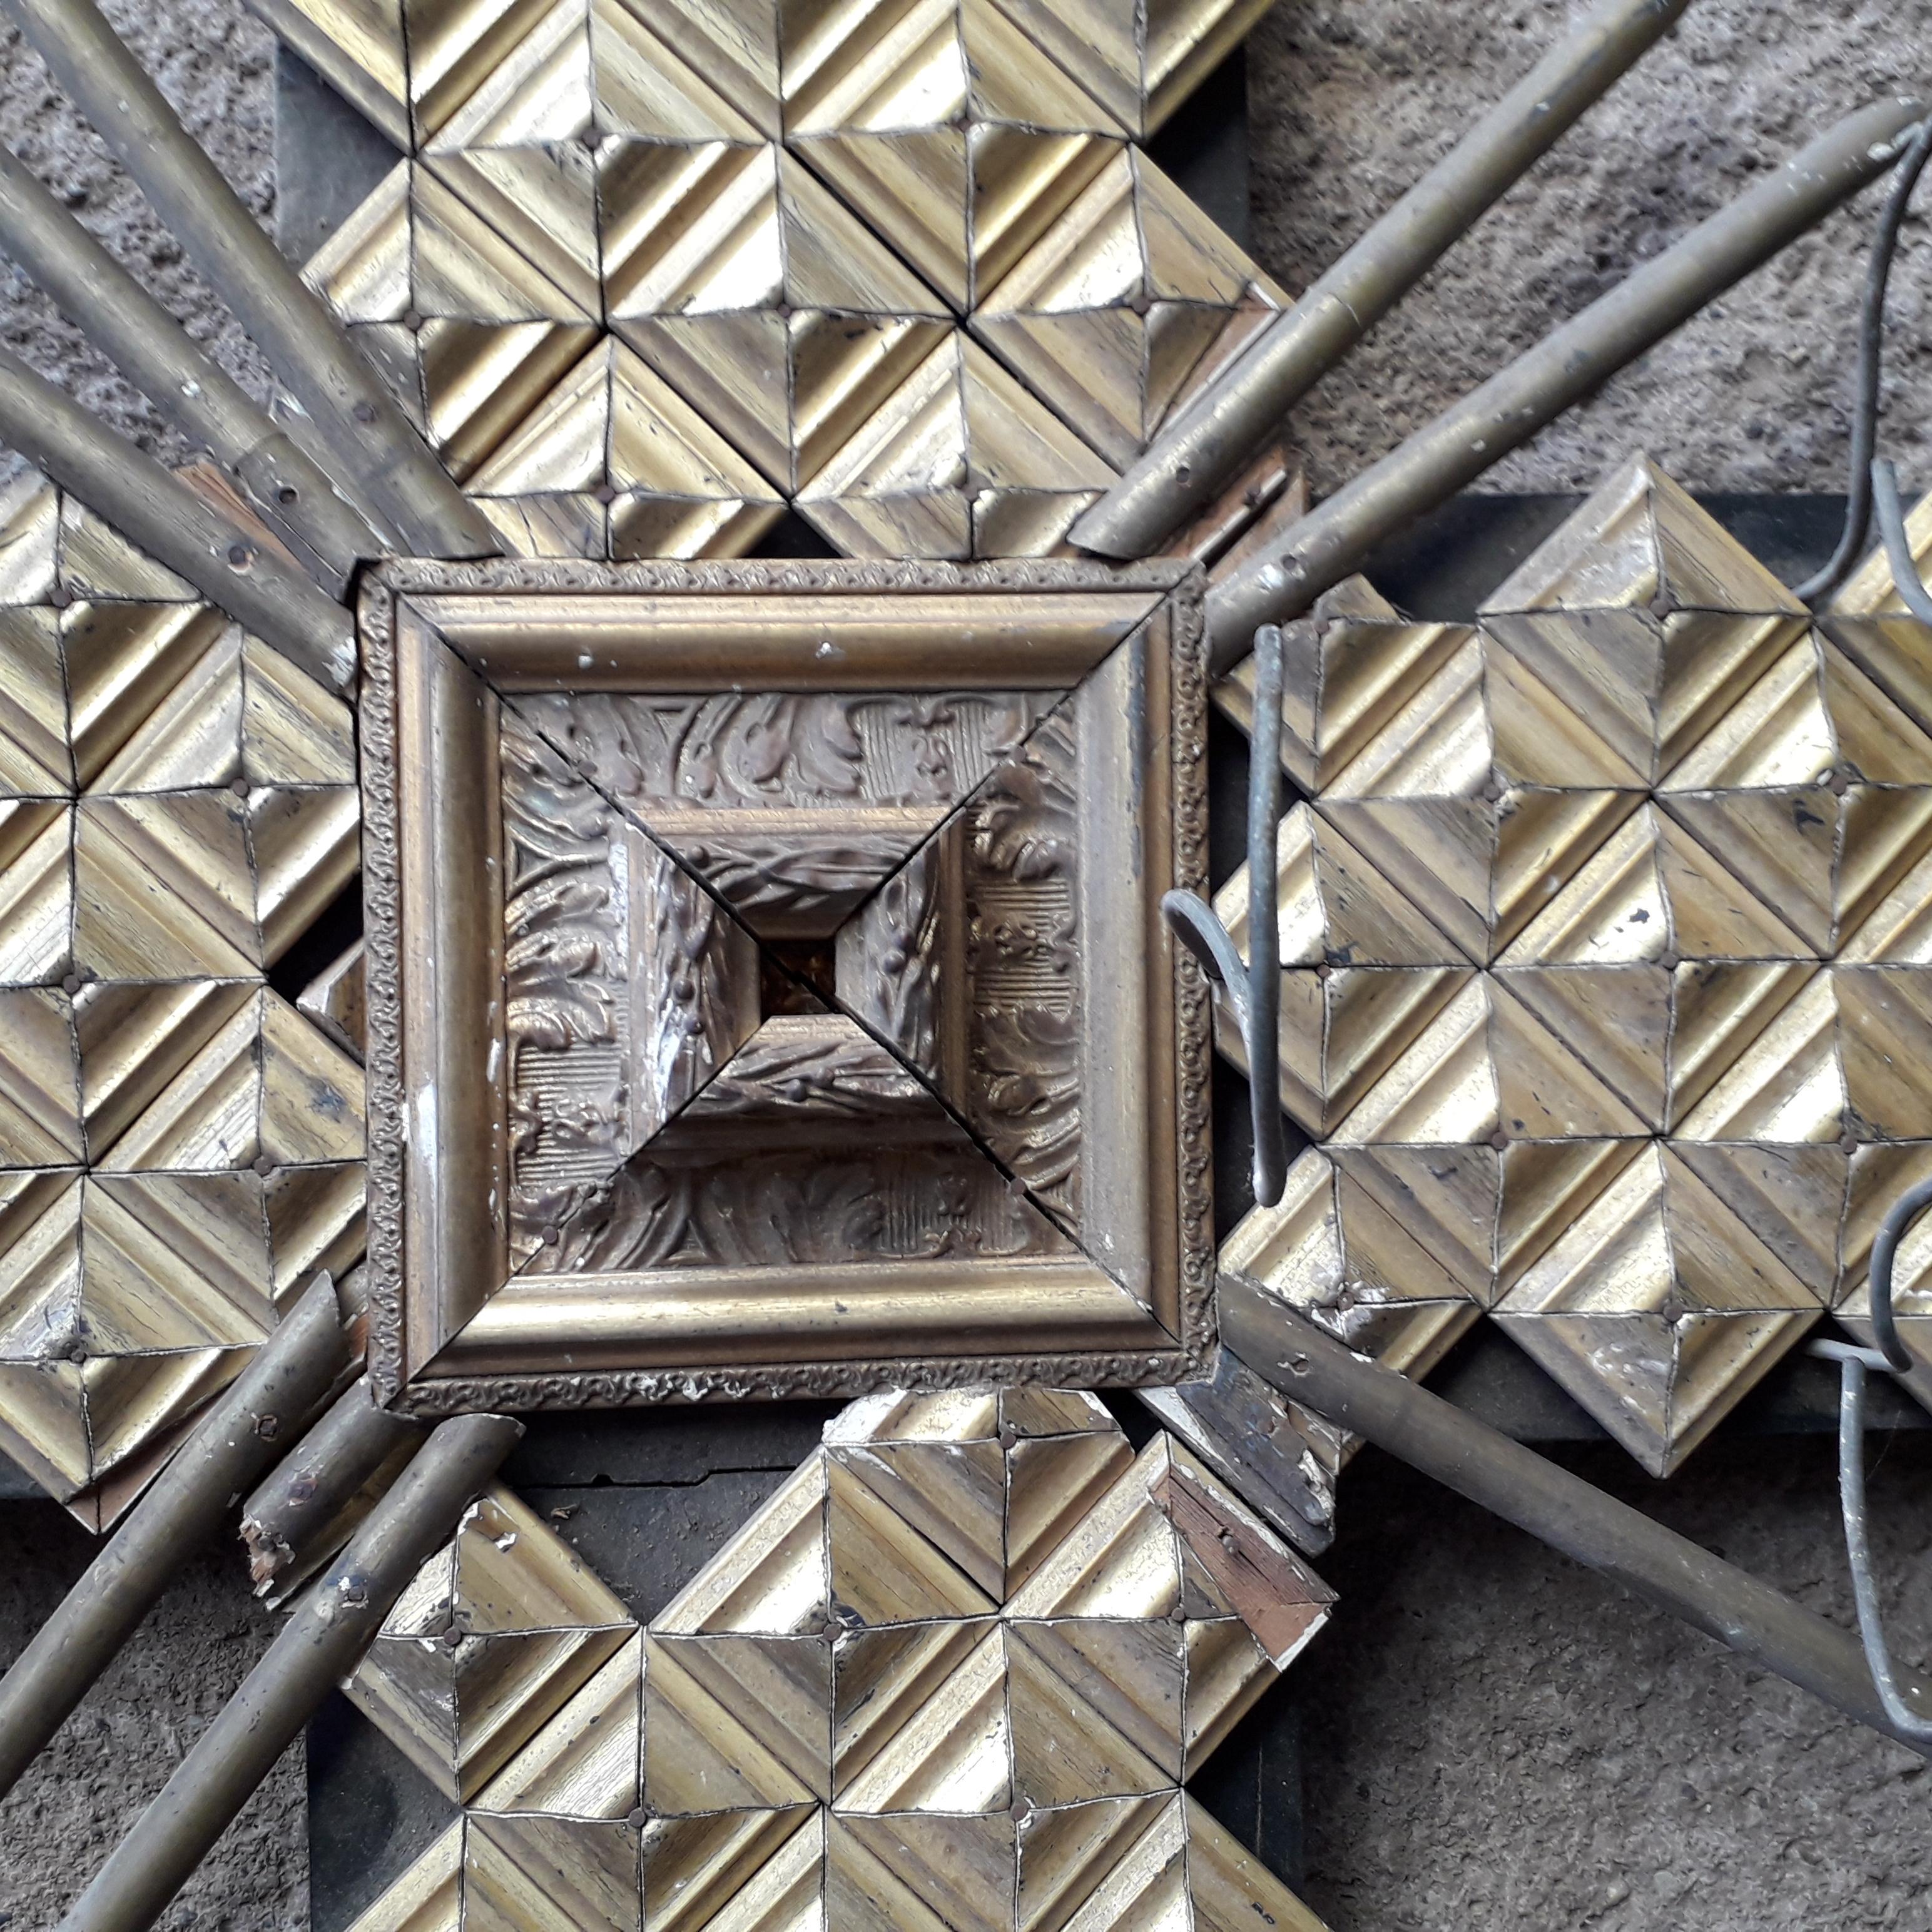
(152, 507)
(1311, 1367)
(285, 488)
(1331, 542)
(240, 1437)
(381, 460)
(1196, 455)
(305, 1509)
(323, 1640)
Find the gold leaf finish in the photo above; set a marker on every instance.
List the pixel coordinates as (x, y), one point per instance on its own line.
(1605, 951)
(899, 265)
(801, 1070)
(847, 1720)
(178, 804)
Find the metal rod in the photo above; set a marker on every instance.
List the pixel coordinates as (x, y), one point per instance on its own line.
(1852, 1365)
(1332, 541)
(305, 1508)
(1871, 372)
(1252, 987)
(154, 509)
(1194, 457)
(1890, 511)
(285, 488)
(321, 1642)
(1570, 1515)
(1902, 1212)
(380, 459)
(241, 1435)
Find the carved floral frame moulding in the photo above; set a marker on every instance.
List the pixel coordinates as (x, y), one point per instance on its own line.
(1032, 735)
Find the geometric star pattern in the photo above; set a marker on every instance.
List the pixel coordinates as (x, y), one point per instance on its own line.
(953, 1674)
(179, 1146)
(648, 275)
(1605, 965)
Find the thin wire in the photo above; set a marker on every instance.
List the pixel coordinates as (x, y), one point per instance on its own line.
(1871, 355)
(1252, 987)
(1889, 508)
(1858, 1547)
(1905, 1210)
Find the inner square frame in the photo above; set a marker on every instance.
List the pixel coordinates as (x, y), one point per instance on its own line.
(445, 646)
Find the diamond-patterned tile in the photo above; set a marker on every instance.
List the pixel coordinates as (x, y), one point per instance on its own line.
(1658, 1310)
(1817, 787)
(1644, 616)
(1017, 1763)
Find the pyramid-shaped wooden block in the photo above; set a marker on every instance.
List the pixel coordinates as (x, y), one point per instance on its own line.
(1487, 1137)
(496, 1634)
(1658, 1310)
(1658, 964)
(961, 138)
(1111, 310)
(1363, 969)
(749, 286)
(961, 459)
(1829, 1081)
(1816, 786)
(1479, 795)
(1351, 664)
(1332, 1252)
(1646, 617)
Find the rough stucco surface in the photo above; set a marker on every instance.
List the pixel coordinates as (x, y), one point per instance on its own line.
(117, 1750)
(1495, 1739)
(215, 61)
(1351, 99)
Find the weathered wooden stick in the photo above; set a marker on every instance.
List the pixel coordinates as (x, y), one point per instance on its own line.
(285, 489)
(382, 463)
(324, 1640)
(1195, 456)
(250, 1424)
(1247, 1432)
(310, 1504)
(151, 507)
(1332, 541)
(1308, 1364)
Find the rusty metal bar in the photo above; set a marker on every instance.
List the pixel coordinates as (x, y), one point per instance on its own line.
(249, 1425)
(1332, 541)
(282, 485)
(1310, 1367)
(322, 1642)
(1195, 456)
(308, 1506)
(381, 460)
(151, 507)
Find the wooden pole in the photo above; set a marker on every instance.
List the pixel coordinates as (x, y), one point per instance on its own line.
(282, 485)
(152, 507)
(1308, 1365)
(251, 1423)
(381, 460)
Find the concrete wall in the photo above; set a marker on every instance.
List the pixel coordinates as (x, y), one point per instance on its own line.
(1495, 1739)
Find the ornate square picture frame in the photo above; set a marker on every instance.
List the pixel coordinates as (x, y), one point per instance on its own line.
(768, 992)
